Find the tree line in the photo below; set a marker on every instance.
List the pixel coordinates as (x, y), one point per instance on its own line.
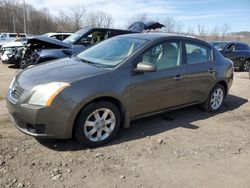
(17, 16)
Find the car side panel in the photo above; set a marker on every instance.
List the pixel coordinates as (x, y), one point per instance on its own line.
(157, 90)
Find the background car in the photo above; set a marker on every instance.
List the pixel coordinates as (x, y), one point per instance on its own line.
(45, 49)
(10, 37)
(8, 49)
(238, 52)
(114, 82)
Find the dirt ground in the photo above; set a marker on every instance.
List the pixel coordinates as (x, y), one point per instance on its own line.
(183, 148)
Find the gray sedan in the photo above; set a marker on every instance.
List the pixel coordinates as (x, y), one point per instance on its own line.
(93, 95)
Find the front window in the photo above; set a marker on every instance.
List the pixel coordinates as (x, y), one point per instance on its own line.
(164, 55)
(110, 53)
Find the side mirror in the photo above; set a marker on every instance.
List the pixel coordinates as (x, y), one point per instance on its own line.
(145, 67)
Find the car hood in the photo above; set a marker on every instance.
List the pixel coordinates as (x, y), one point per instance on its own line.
(141, 26)
(63, 70)
(47, 42)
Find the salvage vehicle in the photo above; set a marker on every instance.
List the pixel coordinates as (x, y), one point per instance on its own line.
(92, 95)
(8, 49)
(238, 52)
(45, 50)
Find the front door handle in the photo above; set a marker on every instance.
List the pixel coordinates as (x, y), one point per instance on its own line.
(212, 70)
(177, 77)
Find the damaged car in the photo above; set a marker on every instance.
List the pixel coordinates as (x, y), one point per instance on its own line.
(44, 49)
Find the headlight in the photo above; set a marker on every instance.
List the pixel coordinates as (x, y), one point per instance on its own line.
(44, 94)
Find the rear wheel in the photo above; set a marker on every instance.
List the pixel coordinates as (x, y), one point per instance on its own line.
(97, 124)
(215, 99)
(245, 66)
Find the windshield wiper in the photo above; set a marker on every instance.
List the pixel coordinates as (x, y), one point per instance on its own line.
(89, 62)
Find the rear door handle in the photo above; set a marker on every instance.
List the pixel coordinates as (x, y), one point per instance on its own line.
(212, 70)
(177, 77)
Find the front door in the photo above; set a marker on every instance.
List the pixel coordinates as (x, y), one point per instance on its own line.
(163, 88)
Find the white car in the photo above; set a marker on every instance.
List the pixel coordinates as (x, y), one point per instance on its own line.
(9, 37)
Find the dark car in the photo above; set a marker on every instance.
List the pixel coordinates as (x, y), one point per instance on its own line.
(102, 89)
(238, 52)
(43, 49)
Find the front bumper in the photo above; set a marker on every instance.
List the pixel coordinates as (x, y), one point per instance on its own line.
(40, 122)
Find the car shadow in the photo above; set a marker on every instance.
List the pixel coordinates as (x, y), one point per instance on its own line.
(152, 125)
(12, 67)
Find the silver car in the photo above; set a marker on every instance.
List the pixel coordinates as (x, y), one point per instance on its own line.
(93, 95)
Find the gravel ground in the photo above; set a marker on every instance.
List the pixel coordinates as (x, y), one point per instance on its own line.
(183, 148)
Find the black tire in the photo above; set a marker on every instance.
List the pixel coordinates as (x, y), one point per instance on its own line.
(80, 128)
(207, 105)
(245, 66)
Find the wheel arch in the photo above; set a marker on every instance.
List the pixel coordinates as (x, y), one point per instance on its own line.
(112, 99)
(225, 85)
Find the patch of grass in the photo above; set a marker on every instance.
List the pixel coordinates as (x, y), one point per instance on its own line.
(1, 98)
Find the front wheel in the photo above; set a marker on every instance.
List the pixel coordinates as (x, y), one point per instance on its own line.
(97, 124)
(215, 99)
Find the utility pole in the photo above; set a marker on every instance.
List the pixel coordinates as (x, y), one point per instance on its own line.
(14, 24)
(24, 17)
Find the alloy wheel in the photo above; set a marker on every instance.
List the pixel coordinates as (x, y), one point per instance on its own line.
(246, 65)
(217, 98)
(99, 125)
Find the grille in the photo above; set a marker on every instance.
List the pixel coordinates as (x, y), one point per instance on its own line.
(16, 92)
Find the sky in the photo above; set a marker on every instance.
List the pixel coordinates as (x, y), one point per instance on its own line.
(210, 13)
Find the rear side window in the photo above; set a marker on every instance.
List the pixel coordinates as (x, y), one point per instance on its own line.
(242, 47)
(197, 53)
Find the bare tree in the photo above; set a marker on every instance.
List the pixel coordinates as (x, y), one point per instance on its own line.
(225, 28)
(190, 31)
(76, 14)
(170, 24)
(202, 31)
(12, 18)
(99, 19)
(63, 23)
(215, 33)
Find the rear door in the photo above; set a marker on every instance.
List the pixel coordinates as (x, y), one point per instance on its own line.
(163, 88)
(199, 70)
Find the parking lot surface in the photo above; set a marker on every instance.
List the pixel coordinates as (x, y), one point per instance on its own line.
(183, 148)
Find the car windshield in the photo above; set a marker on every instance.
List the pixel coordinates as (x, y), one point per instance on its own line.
(75, 37)
(110, 53)
(219, 45)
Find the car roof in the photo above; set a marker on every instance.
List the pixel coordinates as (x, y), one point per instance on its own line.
(159, 36)
(87, 29)
(238, 42)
